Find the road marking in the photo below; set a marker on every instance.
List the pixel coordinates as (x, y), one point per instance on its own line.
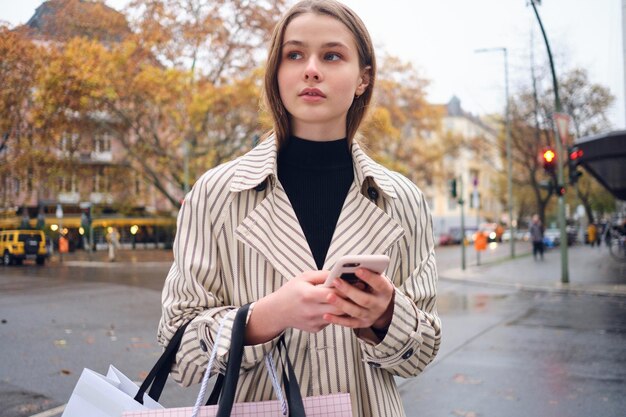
(51, 412)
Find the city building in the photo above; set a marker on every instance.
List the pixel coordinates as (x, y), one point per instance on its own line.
(476, 167)
(94, 179)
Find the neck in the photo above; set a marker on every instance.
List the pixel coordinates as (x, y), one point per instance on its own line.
(319, 132)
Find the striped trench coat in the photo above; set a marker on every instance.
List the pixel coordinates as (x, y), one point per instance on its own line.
(238, 240)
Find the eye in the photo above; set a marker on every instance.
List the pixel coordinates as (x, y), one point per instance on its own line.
(293, 55)
(332, 56)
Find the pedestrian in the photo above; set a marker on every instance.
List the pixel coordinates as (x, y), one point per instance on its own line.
(113, 240)
(600, 230)
(266, 228)
(591, 234)
(536, 236)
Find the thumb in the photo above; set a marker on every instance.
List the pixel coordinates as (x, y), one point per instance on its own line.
(316, 277)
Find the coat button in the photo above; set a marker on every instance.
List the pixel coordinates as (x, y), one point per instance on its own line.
(372, 193)
(203, 346)
(262, 186)
(407, 354)
(374, 364)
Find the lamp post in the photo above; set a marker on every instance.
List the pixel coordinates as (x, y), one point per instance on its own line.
(560, 155)
(509, 173)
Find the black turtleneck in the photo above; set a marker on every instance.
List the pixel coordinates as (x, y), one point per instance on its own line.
(316, 177)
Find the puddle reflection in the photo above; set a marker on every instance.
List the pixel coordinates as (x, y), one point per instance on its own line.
(452, 302)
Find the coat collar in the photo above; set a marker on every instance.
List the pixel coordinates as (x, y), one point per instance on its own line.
(261, 163)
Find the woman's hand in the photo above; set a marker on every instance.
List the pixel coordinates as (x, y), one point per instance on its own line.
(362, 307)
(301, 304)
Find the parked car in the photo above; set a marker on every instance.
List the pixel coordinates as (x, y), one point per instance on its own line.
(455, 235)
(552, 237)
(444, 239)
(519, 235)
(19, 245)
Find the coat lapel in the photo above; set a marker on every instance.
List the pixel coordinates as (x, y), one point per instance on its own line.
(272, 228)
(362, 229)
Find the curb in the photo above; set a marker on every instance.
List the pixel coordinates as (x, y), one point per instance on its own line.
(618, 292)
(123, 264)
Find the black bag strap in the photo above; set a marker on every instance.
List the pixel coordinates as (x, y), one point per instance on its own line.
(217, 389)
(233, 367)
(157, 377)
(292, 389)
(235, 355)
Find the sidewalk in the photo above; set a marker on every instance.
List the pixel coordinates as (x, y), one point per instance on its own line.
(123, 258)
(591, 271)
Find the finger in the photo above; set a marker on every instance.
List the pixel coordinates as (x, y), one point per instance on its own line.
(378, 282)
(346, 306)
(345, 321)
(351, 292)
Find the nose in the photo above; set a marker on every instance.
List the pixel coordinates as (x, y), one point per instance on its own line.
(312, 71)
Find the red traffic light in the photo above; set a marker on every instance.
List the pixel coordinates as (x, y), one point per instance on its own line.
(549, 155)
(548, 159)
(576, 154)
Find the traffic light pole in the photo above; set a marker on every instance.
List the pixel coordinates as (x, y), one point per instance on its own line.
(462, 203)
(560, 157)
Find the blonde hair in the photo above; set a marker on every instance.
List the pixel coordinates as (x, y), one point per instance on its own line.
(365, 49)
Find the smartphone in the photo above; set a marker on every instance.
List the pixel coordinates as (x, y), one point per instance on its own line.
(344, 268)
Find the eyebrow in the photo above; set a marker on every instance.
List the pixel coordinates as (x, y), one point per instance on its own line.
(325, 45)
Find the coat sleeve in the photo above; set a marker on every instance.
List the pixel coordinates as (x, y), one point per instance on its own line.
(414, 335)
(195, 292)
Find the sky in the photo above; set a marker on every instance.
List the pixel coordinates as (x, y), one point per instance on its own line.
(440, 38)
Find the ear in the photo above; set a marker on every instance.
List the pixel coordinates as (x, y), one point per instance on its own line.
(364, 81)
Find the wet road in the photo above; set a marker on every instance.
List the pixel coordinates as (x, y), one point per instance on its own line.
(504, 352)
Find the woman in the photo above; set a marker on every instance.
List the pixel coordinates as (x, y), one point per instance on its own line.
(266, 228)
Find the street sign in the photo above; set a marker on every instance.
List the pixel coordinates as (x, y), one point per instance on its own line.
(562, 125)
(475, 199)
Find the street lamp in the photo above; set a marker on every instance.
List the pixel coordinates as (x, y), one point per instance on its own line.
(560, 154)
(509, 174)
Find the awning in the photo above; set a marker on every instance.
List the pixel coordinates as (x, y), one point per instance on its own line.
(604, 157)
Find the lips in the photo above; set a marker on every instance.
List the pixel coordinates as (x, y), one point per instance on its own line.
(312, 92)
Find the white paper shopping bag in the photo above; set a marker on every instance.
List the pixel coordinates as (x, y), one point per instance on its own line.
(96, 395)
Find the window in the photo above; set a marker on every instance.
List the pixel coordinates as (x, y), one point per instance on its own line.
(102, 142)
(69, 142)
(67, 185)
(101, 182)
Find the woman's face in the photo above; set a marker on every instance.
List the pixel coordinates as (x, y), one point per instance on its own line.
(319, 76)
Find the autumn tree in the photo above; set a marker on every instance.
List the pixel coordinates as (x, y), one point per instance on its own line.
(401, 121)
(587, 104)
(18, 71)
(532, 128)
(187, 82)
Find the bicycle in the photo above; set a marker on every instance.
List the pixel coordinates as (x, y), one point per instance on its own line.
(617, 244)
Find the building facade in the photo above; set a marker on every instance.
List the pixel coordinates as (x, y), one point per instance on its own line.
(91, 174)
(476, 168)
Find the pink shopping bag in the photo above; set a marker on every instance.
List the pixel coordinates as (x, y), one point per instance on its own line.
(334, 405)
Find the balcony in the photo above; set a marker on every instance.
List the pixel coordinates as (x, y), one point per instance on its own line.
(69, 198)
(99, 198)
(103, 156)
